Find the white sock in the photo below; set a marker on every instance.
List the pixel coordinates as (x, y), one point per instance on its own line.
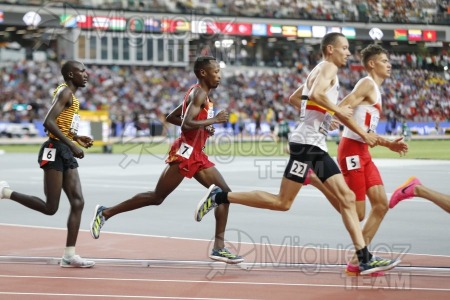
(7, 193)
(69, 252)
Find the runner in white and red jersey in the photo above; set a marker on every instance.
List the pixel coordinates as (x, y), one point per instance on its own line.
(355, 161)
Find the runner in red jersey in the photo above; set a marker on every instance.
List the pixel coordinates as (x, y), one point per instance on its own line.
(186, 157)
(187, 150)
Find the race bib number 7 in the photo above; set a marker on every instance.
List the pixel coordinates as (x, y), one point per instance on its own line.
(185, 150)
(49, 154)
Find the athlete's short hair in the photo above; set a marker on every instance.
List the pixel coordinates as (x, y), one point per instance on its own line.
(67, 67)
(202, 62)
(370, 51)
(329, 39)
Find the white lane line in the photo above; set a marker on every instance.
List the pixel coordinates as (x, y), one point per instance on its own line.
(204, 240)
(114, 296)
(315, 285)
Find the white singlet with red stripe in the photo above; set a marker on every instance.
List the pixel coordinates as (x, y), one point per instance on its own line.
(315, 120)
(366, 116)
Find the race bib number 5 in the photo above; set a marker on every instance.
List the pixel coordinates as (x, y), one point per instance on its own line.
(49, 154)
(185, 150)
(353, 162)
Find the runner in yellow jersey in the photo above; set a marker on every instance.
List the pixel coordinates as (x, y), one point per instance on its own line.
(57, 159)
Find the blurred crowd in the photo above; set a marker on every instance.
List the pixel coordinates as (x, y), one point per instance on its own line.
(145, 94)
(397, 11)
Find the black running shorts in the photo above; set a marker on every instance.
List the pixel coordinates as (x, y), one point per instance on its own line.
(304, 157)
(56, 155)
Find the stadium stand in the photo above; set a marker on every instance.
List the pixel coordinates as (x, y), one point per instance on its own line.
(140, 94)
(393, 11)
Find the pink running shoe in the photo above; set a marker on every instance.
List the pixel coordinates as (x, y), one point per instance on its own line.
(308, 177)
(353, 270)
(405, 191)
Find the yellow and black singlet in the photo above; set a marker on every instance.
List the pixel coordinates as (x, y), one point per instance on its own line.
(68, 120)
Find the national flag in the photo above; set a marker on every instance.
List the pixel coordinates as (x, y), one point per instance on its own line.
(244, 29)
(117, 23)
(136, 24)
(152, 25)
(84, 21)
(1, 17)
(333, 29)
(167, 25)
(100, 22)
(304, 31)
(289, 31)
(400, 35)
(227, 27)
(215, 27)
(319, 31)
(198, 27)
(274, 30)
(68, 21)
(429, 35)
(182, 25)
(349, 32)
(415, 35)
(259, 29)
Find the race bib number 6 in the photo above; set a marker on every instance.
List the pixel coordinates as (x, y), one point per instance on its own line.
(185, 150)
(298, 168)
(49, 154)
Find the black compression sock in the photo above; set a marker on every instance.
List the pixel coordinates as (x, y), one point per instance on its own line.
(363, 255)
(221, 198)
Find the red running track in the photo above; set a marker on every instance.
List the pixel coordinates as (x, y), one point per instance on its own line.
(147, 267)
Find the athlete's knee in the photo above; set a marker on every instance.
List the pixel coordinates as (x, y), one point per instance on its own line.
(77, 204)
(152, 198)
(348, 199)
(157, 201)
(283, 204)
(380, 209)
(283, 207)
(50, 209)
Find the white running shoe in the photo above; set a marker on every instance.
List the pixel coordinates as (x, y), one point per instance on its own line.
(76, 262)
(3, 185)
